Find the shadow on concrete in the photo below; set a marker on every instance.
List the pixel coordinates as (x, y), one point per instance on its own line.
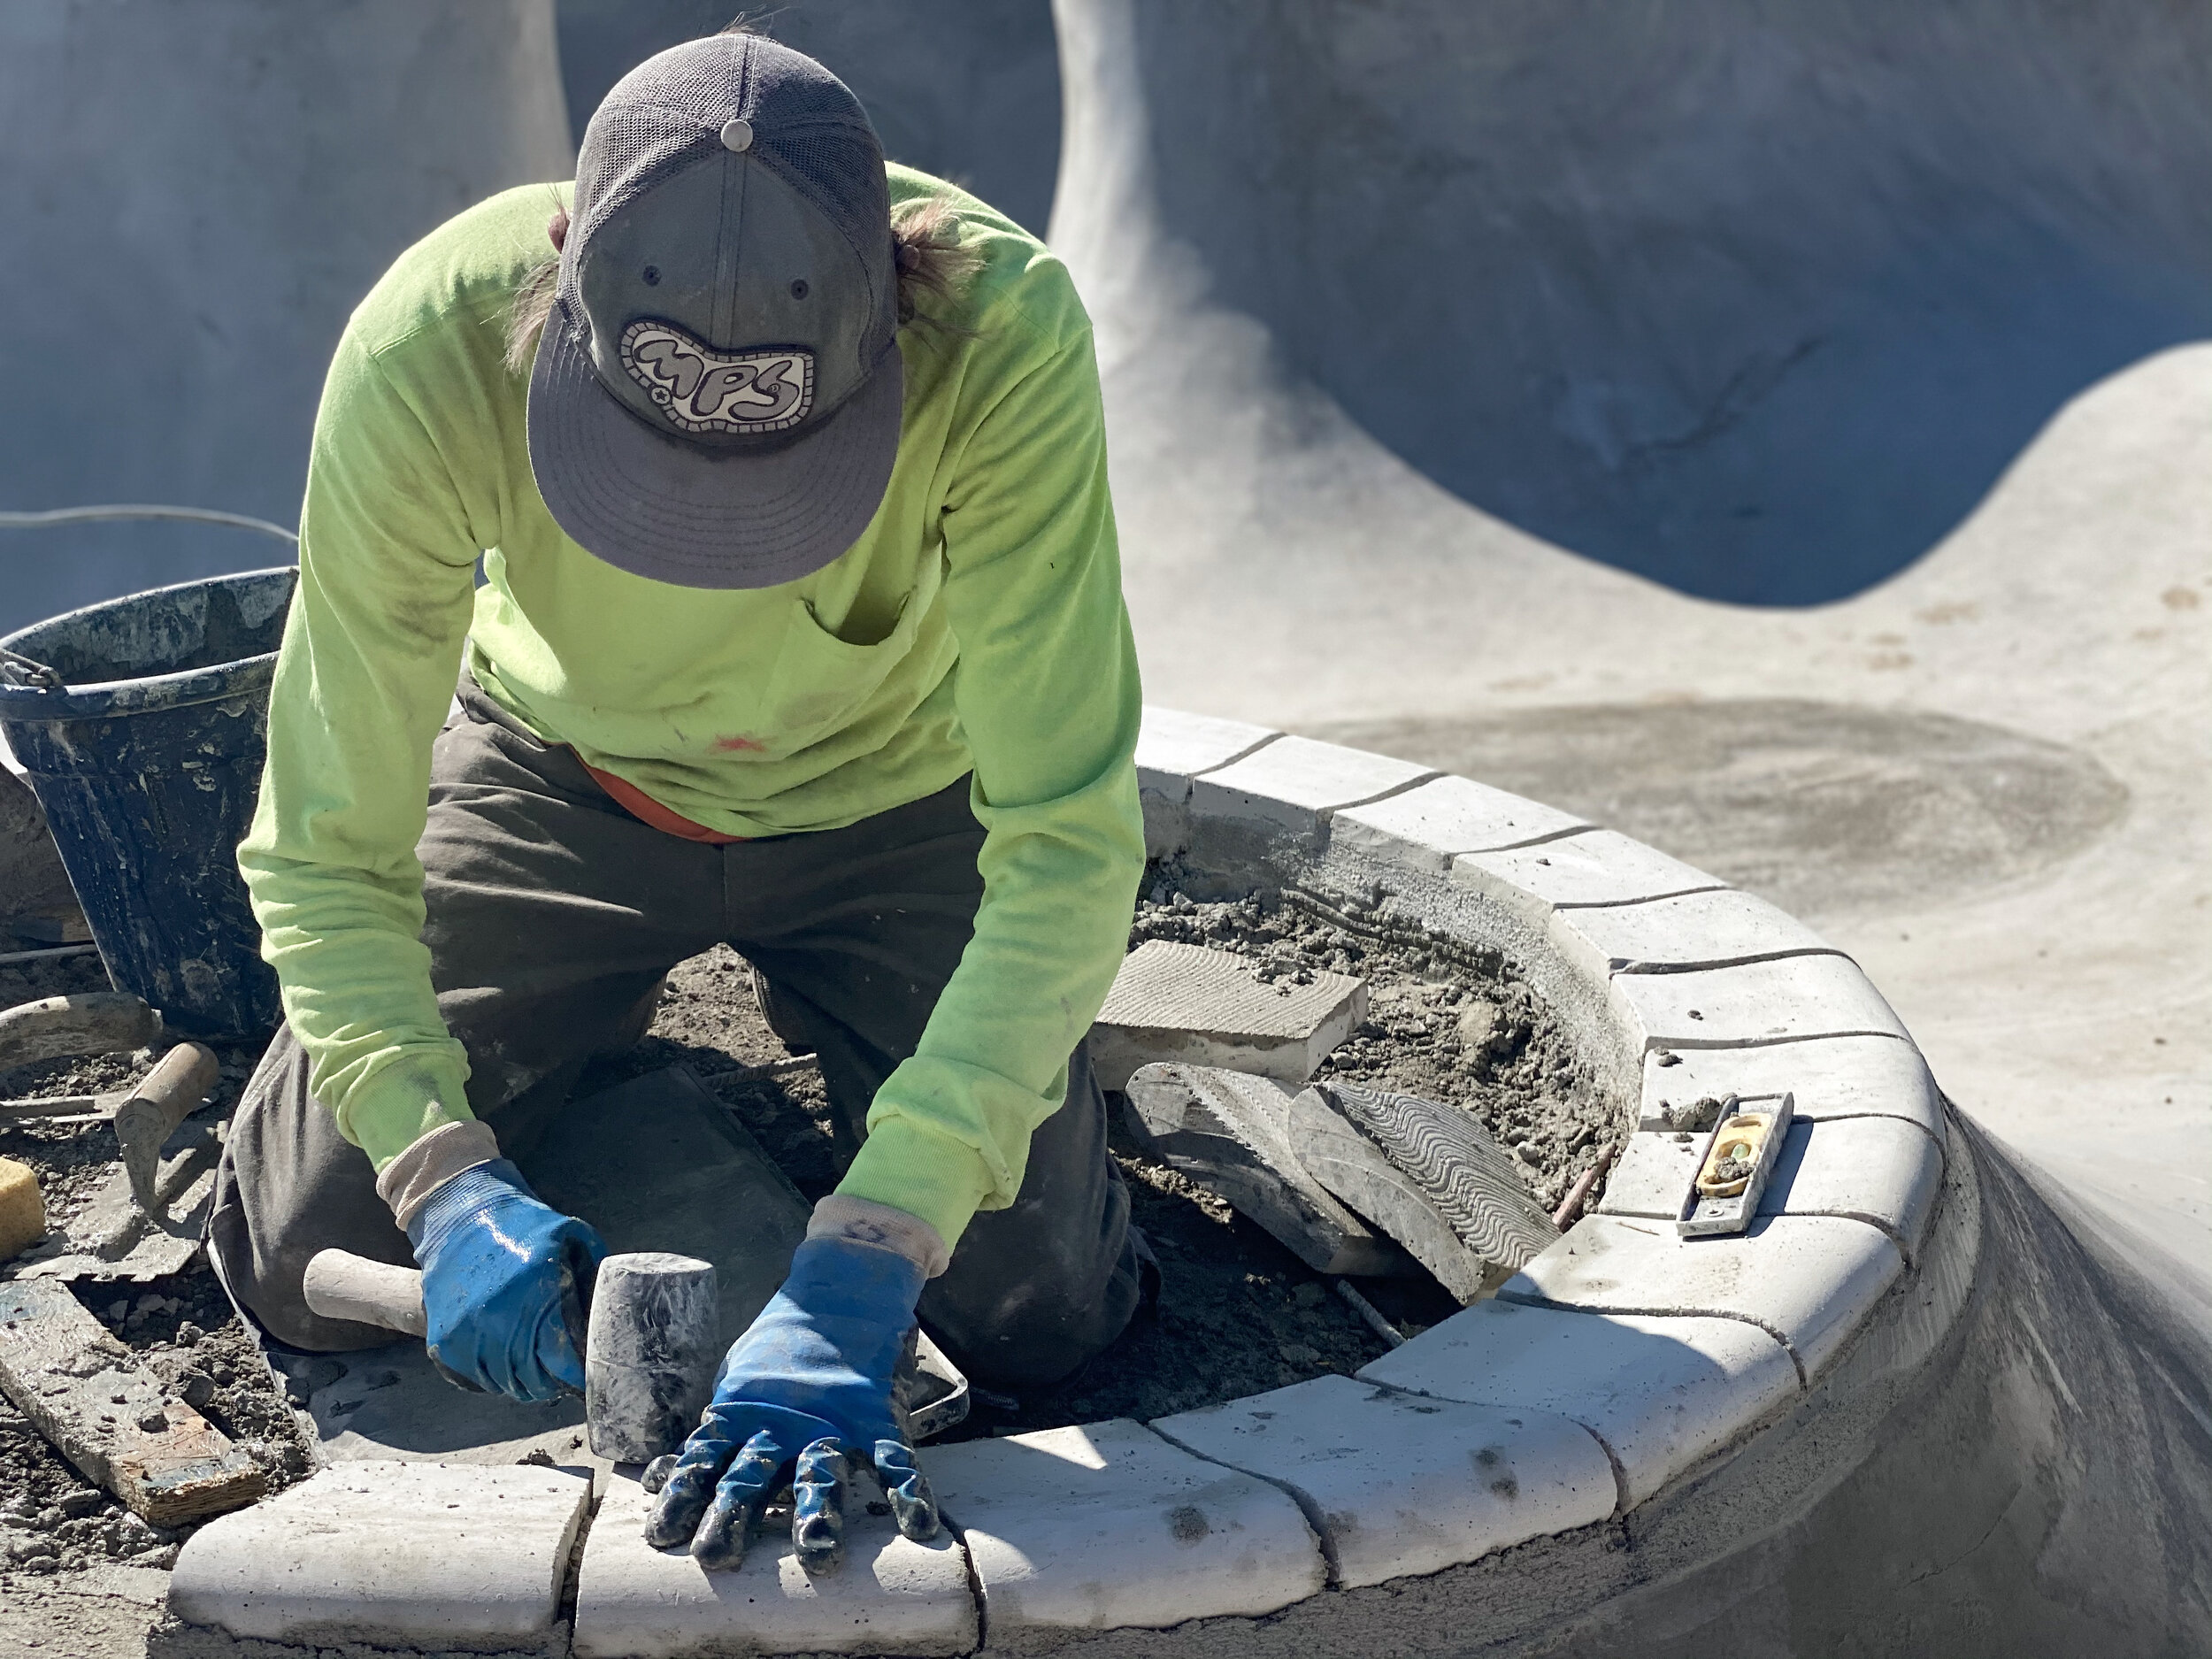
(1823, 808)
(967, 89)
(1756, 301)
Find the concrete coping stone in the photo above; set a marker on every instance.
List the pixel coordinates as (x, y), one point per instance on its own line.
(1293, 785)
(1751, 1003)
(1425, 827)
(1828, 1077)
(1718, 927)
(1807, 1281)
(1110, 1525)
(1661, 1393)
(429, 1556)
(1172, 749)
(891, 1595)
(1398, 1485)
(1881, 1170)
(1589, 867)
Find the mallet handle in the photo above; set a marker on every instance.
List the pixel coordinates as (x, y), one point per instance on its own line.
(342, 1286)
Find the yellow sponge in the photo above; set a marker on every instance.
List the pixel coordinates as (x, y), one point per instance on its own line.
(22, 1211)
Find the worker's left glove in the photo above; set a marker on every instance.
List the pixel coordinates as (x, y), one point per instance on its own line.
(807, 1386)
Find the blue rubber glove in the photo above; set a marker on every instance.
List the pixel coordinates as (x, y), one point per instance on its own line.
(504, 1283)
(807, 1385)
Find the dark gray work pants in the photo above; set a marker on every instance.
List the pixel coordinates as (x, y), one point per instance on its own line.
(553, 915)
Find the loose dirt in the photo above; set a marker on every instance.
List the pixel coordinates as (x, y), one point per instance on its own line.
(51, 1519)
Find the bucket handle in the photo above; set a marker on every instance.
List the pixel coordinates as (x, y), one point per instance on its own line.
(18, 670)
(24, 672)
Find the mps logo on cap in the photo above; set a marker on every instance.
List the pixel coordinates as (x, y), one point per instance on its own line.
(701, 389)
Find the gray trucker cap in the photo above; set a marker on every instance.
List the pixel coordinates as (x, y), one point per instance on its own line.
(717, 394)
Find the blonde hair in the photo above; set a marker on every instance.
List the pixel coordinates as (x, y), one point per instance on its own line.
(925, 247)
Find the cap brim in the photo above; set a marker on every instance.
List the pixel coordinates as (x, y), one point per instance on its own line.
(660, 507)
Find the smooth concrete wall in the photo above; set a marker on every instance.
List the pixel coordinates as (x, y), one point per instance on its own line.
(197, 193)
(967, 89)
(1754, 299)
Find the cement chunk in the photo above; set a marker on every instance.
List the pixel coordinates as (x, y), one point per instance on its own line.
(1692, 930)
(1293, 785)
(1398, 1485)
(1809, 1280)
(1663, 1393)
(1834, 1076)
(1425, 827)
(891, 1596)
(1755, 1004)
(1187, 1005)
(1596, 867)
(1172, 749)
(423, 1555)
(1109, 1525)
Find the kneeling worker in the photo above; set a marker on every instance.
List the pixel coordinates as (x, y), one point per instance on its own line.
(801, 630)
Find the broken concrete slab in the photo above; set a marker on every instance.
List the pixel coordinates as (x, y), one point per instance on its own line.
(1464, 1172)
(1343, 1160)
(1664, 1393)
(1108, 1525)
(1229, 1131)
(654, 1163)
(1188, 1005)
(891, 1596)
(425, 1557)
(1398, 1485)
(1425, 827)
(1809, 1281)
(88, 1394)
(1828, 1076)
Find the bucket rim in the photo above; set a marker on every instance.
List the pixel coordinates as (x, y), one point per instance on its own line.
(106, 698)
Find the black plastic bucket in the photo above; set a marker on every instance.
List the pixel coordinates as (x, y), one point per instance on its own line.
(144, 745)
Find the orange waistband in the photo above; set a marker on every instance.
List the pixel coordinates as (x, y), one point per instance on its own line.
(646, 810)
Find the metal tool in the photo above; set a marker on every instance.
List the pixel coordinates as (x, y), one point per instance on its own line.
(149, 1114)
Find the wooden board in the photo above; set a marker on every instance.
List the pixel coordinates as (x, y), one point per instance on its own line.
(1228, 1131)
(87, 1394)
(1467, 1176)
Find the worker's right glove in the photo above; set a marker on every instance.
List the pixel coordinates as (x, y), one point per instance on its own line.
(505, 1279)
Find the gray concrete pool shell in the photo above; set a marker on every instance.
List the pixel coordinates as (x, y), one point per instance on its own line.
(1918, 1407)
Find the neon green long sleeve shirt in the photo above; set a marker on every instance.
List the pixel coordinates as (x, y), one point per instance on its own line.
(976, 628)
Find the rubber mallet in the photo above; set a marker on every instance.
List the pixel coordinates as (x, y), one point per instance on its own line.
(649, 1353)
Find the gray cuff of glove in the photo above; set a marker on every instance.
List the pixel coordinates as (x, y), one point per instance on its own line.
(426, 1164)
(863, 1221)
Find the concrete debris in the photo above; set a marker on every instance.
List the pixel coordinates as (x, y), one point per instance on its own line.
(1192, 1005)
(112, 1238)
(89, 1395)
(1230, 1131)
